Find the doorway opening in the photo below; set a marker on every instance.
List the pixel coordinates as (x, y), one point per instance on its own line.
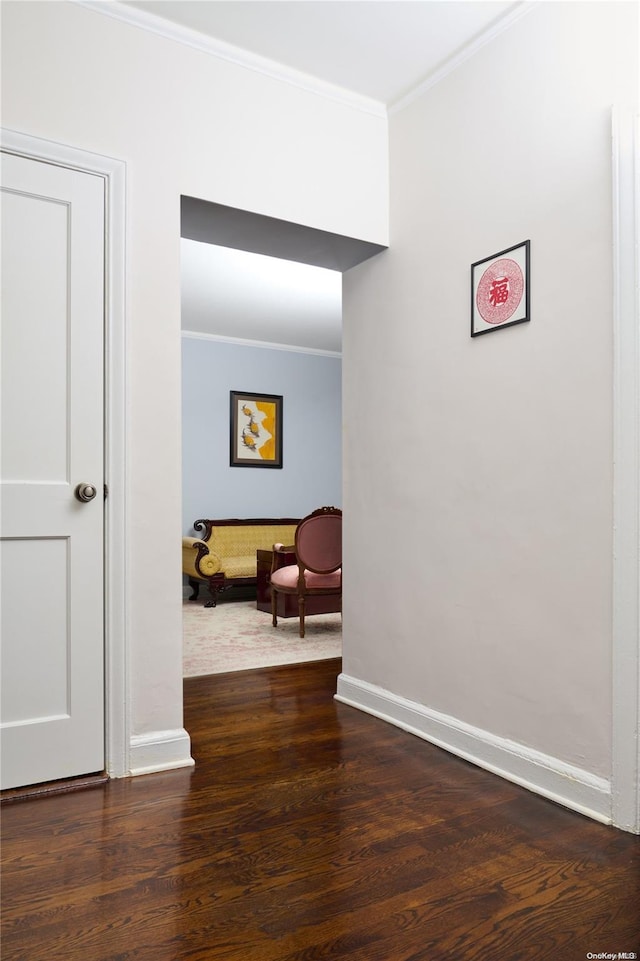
(262, 313)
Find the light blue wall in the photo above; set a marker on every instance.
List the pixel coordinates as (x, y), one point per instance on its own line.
(311, 475)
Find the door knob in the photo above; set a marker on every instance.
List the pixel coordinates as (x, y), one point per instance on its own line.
(85, 492)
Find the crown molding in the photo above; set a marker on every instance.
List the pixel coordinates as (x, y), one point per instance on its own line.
(232, 54)
(265, 345)
(277, 71)
(468, 51)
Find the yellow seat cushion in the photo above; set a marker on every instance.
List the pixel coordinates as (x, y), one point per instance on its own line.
(241, 565)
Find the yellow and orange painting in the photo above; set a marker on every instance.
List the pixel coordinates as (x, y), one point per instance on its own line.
(255, 426)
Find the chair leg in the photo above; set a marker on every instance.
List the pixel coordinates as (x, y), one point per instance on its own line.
(274, 607)
(301, 613)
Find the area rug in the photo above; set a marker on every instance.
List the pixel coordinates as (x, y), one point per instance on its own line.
(235, 636)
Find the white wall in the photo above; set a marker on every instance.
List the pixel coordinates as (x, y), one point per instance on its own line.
(479, 603)
(187, 123)
(311, 473)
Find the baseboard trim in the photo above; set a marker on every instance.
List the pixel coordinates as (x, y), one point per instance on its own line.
(160, 751)
(550, 777)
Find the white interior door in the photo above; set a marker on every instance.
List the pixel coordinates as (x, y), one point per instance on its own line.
(51, 563)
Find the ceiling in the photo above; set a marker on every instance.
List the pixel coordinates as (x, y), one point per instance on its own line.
(376, 49)
(246, 296)
(380, 49)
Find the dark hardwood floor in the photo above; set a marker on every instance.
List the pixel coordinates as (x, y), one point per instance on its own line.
(311, 831)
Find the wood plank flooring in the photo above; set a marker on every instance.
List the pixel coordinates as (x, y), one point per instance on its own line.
(310, 831)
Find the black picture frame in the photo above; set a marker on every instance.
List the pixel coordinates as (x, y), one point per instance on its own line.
(500, 290)
(255, 429)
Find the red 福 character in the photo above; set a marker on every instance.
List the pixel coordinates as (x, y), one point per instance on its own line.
(499, 293)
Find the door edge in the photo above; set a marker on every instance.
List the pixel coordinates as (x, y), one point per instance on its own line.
(116, 428)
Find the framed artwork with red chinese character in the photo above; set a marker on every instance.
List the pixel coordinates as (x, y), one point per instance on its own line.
(500, 290)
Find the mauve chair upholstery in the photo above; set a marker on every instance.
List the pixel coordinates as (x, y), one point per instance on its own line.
(287, 579)
(318, 546)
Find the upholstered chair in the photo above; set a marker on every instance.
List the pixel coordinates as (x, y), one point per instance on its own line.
(318, 571)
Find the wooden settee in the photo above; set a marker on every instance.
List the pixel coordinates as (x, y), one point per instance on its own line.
(225, 555)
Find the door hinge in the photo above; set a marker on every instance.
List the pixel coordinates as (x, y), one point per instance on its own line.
(106, 491)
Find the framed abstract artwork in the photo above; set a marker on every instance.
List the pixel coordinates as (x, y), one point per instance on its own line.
(256, 430)
(500, 290)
